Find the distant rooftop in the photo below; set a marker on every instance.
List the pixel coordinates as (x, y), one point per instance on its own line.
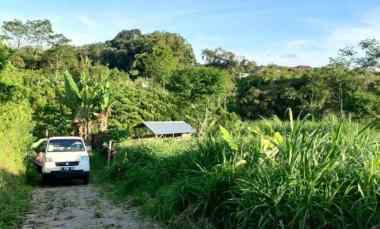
(168, 127)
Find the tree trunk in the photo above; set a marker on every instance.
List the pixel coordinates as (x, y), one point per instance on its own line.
(79, 127)
(102, 118)
(103, 121)
(83, 128)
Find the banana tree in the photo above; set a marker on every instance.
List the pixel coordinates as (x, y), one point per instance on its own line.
(80, 98)
(104, 105)
(90, 101)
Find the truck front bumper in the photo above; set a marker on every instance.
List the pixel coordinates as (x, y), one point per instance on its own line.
(67, 174)
(81, 169)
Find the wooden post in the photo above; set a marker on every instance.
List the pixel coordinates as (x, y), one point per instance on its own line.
(109, 153)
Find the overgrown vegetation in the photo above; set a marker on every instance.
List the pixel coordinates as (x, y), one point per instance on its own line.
(15, 137)
(269, 174)
(319, 173)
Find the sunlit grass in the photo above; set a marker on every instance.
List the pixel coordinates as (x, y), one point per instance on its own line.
(15, 137)
(295, 174)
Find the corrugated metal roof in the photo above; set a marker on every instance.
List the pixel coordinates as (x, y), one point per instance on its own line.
(169, 127)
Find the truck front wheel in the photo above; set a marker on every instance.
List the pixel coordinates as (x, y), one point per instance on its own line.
(46, 179)
(86, 179)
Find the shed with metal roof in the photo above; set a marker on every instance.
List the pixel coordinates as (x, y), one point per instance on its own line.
(163, 129)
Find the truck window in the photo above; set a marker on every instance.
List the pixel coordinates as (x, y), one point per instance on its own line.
(65, 145)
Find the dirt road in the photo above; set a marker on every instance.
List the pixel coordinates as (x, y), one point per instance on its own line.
(78, 206)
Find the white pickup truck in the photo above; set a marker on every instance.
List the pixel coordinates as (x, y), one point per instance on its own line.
(63, 157)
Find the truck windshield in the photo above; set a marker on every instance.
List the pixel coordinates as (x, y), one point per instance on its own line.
(65, 145)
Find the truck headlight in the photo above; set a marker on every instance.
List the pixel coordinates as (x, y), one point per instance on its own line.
(49, 159)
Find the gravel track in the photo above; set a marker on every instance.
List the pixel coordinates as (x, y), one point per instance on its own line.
(79, 206)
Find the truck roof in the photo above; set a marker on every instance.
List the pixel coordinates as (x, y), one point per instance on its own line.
(65, 137)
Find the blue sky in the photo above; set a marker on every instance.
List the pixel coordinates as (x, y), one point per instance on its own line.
(285, 32)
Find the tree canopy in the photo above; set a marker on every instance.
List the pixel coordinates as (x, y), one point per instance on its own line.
(368, 57)
(220, 58)
(4, 54)
(138, 76)
(35, 33)
(194, 83)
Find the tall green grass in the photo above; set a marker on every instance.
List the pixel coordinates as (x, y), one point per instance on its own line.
(270, 174)
(15, 137)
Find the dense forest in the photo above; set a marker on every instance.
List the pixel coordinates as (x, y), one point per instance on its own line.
(48, 86)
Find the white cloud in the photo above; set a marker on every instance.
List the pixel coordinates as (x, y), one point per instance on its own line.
(292, 59)
(289, 56)
(294, 53)
(317, 52)
(343, 36)
(350, 35)
(301, 44)
(87, 21)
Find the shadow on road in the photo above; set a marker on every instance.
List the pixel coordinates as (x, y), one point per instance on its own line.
(61, 182)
